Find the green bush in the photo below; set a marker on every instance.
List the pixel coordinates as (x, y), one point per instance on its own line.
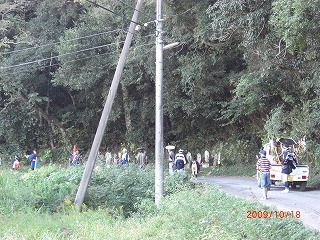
(120, 189)
(10, 187)
(236, 152)
(127, 190)
(177, 182)
(44, 189)
(247, 170)
(314, 177)
(49, 186)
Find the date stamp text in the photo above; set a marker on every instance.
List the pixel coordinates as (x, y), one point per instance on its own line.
(272, 213)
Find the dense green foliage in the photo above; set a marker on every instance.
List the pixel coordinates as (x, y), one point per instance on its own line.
(44, 190)
(51, 189)
(244, 71)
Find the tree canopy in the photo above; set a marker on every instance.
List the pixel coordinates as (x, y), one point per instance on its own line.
(242, 70)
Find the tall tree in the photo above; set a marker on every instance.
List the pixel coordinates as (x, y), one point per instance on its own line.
(28, 64)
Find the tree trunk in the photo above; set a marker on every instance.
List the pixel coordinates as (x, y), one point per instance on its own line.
(52, 121)
(127, 115)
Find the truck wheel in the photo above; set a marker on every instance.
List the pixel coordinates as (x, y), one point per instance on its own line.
(294, 185)
(303, 186)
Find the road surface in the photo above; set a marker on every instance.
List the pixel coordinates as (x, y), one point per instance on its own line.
(307, 202)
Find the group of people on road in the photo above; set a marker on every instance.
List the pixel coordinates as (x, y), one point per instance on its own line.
(123, 158)
(288, 163)
(177, 162)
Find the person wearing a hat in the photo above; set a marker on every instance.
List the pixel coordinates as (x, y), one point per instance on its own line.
(180, 160)
(264, 166)
(287, 164)
(125, 157)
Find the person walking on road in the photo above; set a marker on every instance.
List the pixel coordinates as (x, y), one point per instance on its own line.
(180, 160)
(288, 163)
(171, 158)
(264, 166)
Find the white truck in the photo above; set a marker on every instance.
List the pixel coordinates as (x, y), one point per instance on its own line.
(299, 176)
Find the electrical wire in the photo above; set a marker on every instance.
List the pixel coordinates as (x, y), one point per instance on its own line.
(55, 43)
(53, 57)
(107, 9)
(61, 55)
(64, 54)
(133, 8)
(79, 59)
(99, 55)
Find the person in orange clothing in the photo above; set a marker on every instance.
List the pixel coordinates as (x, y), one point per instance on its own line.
(16, 164)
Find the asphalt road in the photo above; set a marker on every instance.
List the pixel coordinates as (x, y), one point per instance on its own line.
(306, 203)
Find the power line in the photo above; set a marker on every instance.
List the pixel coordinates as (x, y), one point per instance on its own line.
(64, 54)
(99, 55)
(79, 38)
(53, 57)
(107, 9)
(132, 7)
(54, 43)
(79, 59)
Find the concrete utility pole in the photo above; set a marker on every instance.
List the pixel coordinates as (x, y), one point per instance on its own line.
(106, 110)
(159, 152)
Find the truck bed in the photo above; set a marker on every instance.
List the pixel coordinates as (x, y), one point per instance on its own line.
(299, 176)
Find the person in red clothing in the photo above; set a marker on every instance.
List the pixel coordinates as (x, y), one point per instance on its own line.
(264, 166)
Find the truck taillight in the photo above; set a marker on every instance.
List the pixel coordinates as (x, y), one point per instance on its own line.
(273, 175)
(304, 177)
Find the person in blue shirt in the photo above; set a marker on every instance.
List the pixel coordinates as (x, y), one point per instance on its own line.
(33, 159)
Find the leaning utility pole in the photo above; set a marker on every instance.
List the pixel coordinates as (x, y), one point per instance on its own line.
(106, 110)
(159, 152)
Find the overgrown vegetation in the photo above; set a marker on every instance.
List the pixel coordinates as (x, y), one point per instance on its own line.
(188, 212)
(51, 188)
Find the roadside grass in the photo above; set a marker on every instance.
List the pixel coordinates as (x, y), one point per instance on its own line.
(202, 213)
(188, 211)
